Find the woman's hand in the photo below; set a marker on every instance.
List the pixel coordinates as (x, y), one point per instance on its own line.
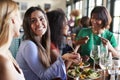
(106, 42)
(73, 57)
(83, 40)
(110, 47)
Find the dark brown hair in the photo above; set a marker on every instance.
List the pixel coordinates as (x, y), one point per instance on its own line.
(30, 35)
(102, 14)
(56, 20)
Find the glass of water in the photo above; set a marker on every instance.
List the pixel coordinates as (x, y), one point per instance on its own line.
(95, 54)
(105, 61)
(116, 64)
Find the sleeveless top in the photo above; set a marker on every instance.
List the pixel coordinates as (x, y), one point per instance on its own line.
(19, 74)
(18, 71)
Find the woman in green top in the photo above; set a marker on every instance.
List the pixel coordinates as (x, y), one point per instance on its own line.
(98, 33)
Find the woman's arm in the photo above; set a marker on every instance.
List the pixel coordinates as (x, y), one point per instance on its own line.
(110, 47)
(54, 53)
(30, 54)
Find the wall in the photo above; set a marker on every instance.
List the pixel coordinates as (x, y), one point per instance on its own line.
(54, 3)
(24, 5)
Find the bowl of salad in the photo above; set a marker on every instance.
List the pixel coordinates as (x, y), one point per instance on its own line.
(84, 73)
(90, 74)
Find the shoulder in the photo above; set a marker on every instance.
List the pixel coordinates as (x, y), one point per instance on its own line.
(3, 62)
(28, 47)
(52, 45)
(29, 43)
(85, 31)
(108, 34)
(5, 69)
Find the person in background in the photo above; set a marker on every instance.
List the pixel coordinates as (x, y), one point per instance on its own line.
(59, 32)
(71, 21)
(59, 28)
(75, 30)
(84, 22)
(15, 45)
(76, 13)
(74, 16)
(98, 33)
(34, 52)
(9, 27)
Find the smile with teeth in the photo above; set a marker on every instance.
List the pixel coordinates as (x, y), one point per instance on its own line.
(39, 28)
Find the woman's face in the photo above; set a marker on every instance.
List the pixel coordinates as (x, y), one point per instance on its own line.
(96, 24)
(38, 23)
(65, 27)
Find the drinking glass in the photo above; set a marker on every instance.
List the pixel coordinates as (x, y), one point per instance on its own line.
(105, 61)
(116, 65)
(95, 54)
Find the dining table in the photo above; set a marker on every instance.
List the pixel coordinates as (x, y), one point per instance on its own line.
(102, 75)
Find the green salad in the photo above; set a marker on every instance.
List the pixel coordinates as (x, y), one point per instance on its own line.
(83, 73)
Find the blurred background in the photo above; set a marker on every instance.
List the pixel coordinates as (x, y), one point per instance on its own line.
(83, 7)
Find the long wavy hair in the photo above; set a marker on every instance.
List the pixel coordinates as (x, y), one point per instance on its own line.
(7, 9)
(44, 44)
(56, 20)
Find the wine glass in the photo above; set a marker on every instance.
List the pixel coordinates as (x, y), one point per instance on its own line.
(105, 61)
(95, 54)
(116, 65)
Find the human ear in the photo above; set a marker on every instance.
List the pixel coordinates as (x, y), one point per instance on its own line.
(15, 28)
(13, 21)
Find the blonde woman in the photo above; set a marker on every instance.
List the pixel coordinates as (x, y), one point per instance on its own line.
(9, 27)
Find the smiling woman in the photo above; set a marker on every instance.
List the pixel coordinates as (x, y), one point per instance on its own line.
(38, 23)
(98, 33)
(34, 51)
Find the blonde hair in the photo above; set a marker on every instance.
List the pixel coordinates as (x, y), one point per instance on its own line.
(75, 13)
(7, 9)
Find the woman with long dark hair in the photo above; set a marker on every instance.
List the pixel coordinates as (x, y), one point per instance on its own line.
(34, 51)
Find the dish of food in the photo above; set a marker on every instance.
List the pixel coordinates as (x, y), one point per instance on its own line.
(84, 74)
(74, 73)
(84, 64)
(89, 73)
(81, 65)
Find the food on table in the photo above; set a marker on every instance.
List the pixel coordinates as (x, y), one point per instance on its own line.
(86, 73)
(89, 73)
(73, 73)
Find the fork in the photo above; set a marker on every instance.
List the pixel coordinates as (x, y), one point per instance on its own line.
(69, 42)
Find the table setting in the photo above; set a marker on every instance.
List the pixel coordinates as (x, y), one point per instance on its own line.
(104, 67)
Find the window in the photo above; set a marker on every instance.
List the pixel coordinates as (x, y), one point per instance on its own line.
(99, 2)
(116, 21)
(68, 11)
(78, 6)
(91, 6)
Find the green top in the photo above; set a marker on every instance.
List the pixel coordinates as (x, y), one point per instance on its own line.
(94, 39)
